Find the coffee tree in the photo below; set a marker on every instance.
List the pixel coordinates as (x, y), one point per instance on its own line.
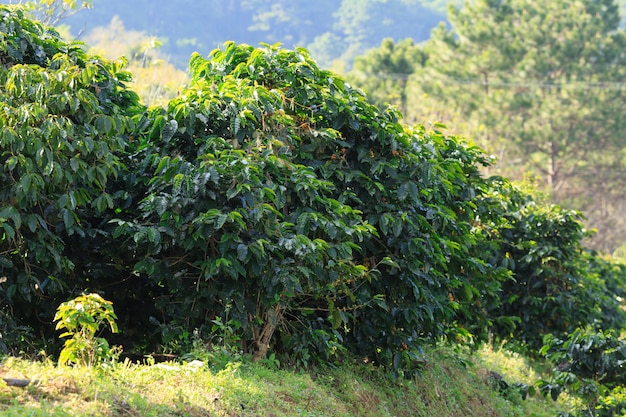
(64, 120)
(557, 286)
(278, 194)
(588, 365)
(269, 205)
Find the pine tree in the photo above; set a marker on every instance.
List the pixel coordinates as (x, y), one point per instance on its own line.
(544, 81)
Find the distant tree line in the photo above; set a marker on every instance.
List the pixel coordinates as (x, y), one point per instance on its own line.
(539, 85)
(335, 31)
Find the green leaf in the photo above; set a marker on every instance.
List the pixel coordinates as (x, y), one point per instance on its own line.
(242, 252)
(74, 164)
(232, 192)
(104, 124)
(32, 221)
(11, 163)
(220, 221)
(68, 220)
(11, 213)
(153, 235)
(397, 361)
(9, 231)
(64, 201)
(169, 130)
(25, 183)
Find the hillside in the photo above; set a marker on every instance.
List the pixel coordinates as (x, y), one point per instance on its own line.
(451, 384)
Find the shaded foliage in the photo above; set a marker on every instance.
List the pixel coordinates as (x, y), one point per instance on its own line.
(589, 365)
(557, 286)
(63, 133)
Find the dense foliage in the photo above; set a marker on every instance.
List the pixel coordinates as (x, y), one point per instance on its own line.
(271, 203)
(283, 198)
(556, 286)
(64, 124)
(589, 365)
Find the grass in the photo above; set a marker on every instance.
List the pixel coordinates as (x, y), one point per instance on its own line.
(451, 384)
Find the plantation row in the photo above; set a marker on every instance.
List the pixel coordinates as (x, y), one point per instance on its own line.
(269, 203)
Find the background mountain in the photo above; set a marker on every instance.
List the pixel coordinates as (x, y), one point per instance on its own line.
(334, 31)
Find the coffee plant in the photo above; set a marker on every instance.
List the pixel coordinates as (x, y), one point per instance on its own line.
(65, 124)
(276, 189)
(271, 196)
(82, 319)
(590, 366)
(556, 285)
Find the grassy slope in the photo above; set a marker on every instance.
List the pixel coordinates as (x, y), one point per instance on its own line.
(450, 385)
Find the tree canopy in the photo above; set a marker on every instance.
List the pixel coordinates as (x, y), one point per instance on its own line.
(272, 201)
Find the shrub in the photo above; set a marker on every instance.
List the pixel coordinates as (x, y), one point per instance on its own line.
(65, 124)
(589, 365)
(275, 190)
(82, 319)
(556, 286)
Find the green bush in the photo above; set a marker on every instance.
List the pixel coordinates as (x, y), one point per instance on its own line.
(271, 197)
(556, 285)
(82, 319)
(588, 365)
(276, 189)
(65, 126)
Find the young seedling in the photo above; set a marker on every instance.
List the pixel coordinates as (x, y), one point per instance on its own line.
(82, 318)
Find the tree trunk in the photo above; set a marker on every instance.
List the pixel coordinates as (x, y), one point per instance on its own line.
(262, 339)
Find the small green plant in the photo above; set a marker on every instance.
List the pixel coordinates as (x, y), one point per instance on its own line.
(82, 319)
(226, 334)
(271, 361)
(218, 351)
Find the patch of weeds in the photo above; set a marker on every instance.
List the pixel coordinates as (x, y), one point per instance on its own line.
(445, 387)
(512, 365)
(514, 377)
(220, 350)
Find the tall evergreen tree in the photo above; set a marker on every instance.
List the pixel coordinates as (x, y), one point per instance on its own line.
(545, 80)
(384, 71)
